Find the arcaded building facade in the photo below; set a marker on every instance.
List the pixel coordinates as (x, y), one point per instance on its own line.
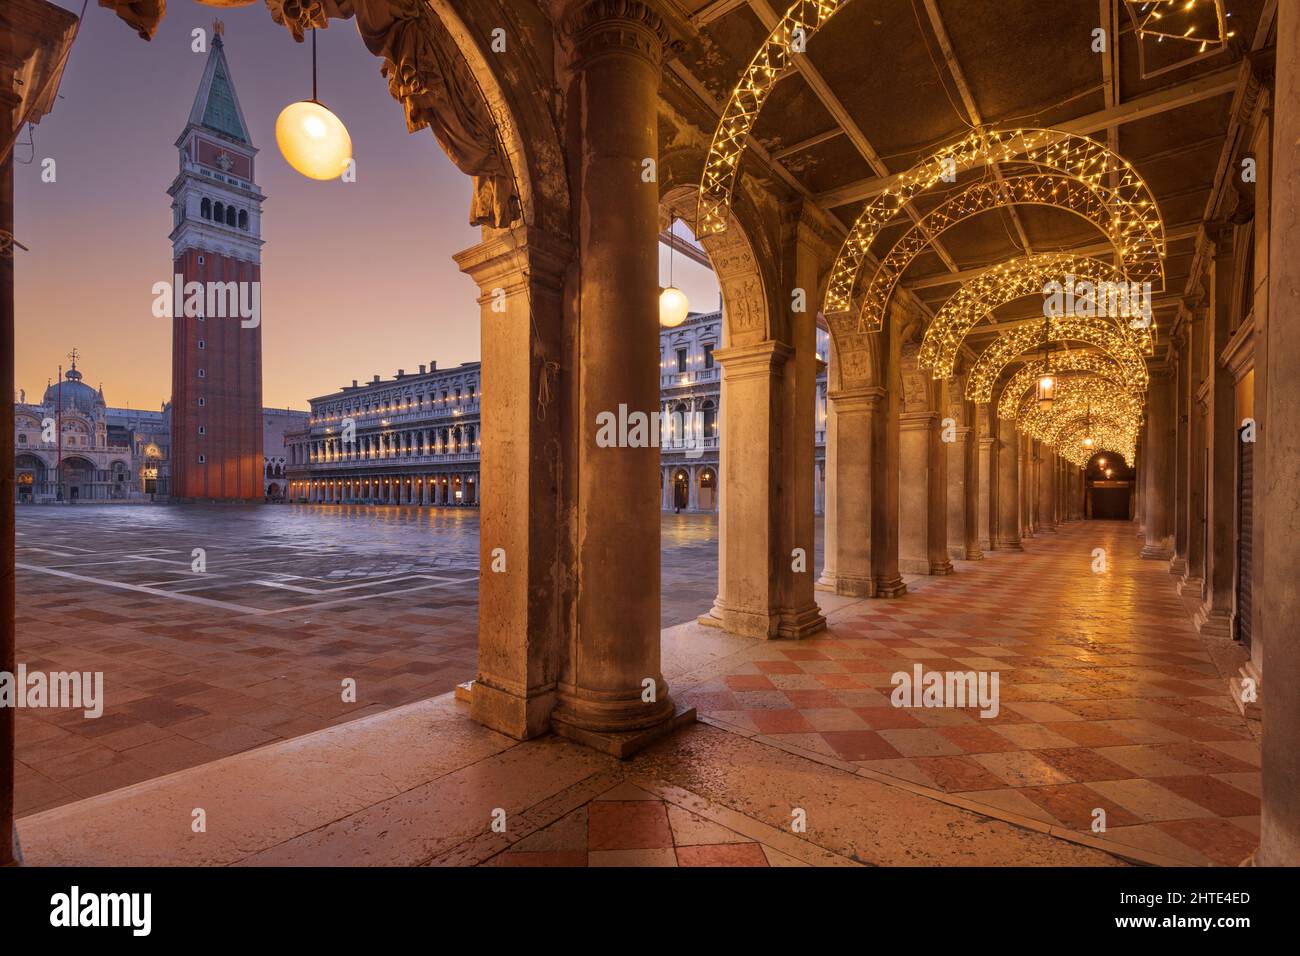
(412, 440)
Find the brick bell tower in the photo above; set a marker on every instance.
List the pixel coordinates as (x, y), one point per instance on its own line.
(216, 426)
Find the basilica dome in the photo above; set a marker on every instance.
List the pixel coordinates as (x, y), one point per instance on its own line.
(76, 394)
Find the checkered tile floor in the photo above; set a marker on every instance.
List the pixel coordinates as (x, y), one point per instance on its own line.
(630, 826)
(293, 600)
(1109, 700)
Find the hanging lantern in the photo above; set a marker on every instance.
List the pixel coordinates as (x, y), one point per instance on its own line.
(312, 139)
(1046, 393)
(673, 307)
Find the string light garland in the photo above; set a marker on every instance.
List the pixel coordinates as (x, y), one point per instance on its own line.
(1117, 342)
(1067, 366)
(1141, 252)
(1135, 216)
(1017, 278)
(1099, 398)
(772, 61)
(1200, 22)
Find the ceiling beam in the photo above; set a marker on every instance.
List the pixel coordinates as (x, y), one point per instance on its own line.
(972, 111)
(1218, 83)
(715, 11)
(688, 249)
(822, 90)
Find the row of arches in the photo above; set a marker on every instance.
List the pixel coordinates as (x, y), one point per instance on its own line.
(224, 214)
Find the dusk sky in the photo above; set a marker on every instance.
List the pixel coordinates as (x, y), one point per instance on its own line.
(357, 278)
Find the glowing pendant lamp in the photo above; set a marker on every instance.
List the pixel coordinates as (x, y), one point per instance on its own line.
(312, 139)
(1047, 383)
(673, 304)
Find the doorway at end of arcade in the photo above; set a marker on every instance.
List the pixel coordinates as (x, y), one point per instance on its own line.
(1108, 482)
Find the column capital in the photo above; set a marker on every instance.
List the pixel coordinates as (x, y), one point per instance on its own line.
(746, 360)
(510, 257)
(638, 27)
(860, 398)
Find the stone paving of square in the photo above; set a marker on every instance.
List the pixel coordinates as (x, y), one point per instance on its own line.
(253, 649)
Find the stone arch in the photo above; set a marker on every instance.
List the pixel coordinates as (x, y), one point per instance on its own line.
(738, 256)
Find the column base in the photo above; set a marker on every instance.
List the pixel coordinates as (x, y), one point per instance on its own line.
(519, 715)
(890, 587)
(1187, 582)
(941, 567)
(1212, 622)
(974, 554)
(1155, 552)
(1248, 704)
(1012, 545)
(763, 625)
(1178, 565)
(798, 624)
(848, 585)
(623, 744)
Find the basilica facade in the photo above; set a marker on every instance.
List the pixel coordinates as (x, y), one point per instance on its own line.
(71, 446)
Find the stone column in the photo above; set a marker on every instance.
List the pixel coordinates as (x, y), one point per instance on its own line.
(914, 491)
(1008, 527)
(923, 495)
(796, 446)
(963, 497)
(1196, 454)
(987, 505)
(749, 535)
(1182, 420)
(850, 424)
(1046, 472)
(1157, 460)
(1024, 446)
(614, 651)
(523, 611)
(887, 581)
(1278, 596)
(1215, 614)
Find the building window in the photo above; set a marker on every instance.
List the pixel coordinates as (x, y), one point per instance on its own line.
(203, 459)
(243, 220)
(681, 360)
(202, 344)
(708, 355)
(202, 374)
(203, 430)
(22, 439)
(202, 401)
(205, 209)
(200, 260)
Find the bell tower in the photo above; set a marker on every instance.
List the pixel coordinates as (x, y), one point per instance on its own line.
(216, 426)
